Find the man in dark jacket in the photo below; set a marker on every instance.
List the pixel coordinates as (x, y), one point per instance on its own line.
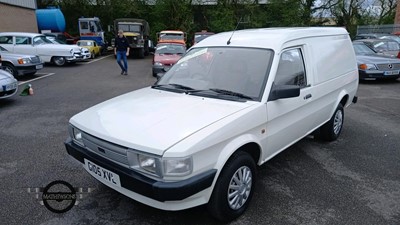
(121, 50)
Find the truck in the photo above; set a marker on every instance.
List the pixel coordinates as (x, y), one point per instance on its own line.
(91, 29)
(51, 22)
(137, 33)
(172, 36)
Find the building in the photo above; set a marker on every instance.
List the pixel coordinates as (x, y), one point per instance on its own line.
(18, 16)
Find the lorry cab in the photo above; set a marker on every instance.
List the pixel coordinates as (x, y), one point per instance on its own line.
(91, 29)
(175, 36)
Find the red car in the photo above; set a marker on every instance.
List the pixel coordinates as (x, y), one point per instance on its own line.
(166, 55)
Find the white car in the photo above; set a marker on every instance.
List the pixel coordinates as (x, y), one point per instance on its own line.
(8, 84)
(232, 102)
(38, 44)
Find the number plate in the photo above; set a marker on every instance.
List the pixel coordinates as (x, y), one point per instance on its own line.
(10, 87)
(38, 67)
(102, 174)
(394, 72)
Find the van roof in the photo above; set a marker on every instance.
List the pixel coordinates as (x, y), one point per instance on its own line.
(272, 38)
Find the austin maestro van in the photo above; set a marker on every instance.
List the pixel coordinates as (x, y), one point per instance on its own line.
(231, 103)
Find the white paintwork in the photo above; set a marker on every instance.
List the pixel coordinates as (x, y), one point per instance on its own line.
(44, 51)
(210, 130)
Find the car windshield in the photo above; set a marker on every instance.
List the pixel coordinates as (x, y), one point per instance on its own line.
(171, 37)
(41, 40)
(170, 49)
(386, 46)
(220, 72)
(361, 49)
(85, 43)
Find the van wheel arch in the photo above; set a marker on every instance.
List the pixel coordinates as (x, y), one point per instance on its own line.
(227, 202)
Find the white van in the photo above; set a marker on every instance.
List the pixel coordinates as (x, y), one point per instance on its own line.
(231, 103)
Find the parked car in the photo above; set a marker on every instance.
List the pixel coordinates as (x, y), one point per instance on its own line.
(92, 46)
(392, 37)
(8, 84)
(38, 44)
(232, 102)
(20, 64)
(199, 36)
(383, 46)
(374, 66)
(166, 55)
(84, 51)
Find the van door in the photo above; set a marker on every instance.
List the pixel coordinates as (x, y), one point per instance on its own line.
(289, 119)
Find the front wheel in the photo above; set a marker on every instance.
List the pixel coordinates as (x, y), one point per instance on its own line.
(331, 130)
(59, 60)
(10, 68)
(234, 188)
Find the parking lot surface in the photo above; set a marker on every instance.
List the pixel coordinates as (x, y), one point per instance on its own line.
(354, 180)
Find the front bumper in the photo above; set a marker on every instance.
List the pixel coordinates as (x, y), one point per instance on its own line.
(376, 75)
(28, 69)
(145, 186)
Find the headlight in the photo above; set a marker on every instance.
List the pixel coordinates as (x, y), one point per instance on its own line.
(77, 136)
(158, 166)
(177, 166)
(367, 66)
(158, 64)
(23, 60)
(148, 163)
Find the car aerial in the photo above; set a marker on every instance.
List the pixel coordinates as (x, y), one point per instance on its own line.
(92, 46)
(166, 55)
(20, 64)
(199, 36)
(231, 103)
(374, 66)
(8, 84)
(38, 44)
(383, 46)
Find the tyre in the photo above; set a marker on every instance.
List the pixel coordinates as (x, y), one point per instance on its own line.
(331, 130)
(92, 55)
(234, 188)
(10, 68)
(141, 53)
(59, 60)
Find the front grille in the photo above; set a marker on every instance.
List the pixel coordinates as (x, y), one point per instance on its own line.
(114, 152)
(35, 59)
(388, 66)
(132, 40)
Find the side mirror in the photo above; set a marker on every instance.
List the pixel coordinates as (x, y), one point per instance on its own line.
(283, 91)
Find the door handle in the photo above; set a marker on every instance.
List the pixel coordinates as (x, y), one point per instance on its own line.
(307, 96)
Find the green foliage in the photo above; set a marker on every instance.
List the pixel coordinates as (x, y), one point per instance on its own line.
(222, 16)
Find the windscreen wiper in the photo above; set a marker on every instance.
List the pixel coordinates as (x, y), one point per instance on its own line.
(223, 92)
(232, 93)
(179, 86)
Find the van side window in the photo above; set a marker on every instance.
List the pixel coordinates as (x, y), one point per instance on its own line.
(23, 40)
(291, 69)
(6, 40)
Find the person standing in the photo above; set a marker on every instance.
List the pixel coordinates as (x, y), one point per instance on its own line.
(121, 50)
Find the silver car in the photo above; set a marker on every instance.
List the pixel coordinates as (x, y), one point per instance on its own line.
(8, 84)
(20, 64)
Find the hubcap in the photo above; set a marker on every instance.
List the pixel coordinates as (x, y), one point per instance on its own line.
(338, 121)
(59, 60)
(239, 187)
